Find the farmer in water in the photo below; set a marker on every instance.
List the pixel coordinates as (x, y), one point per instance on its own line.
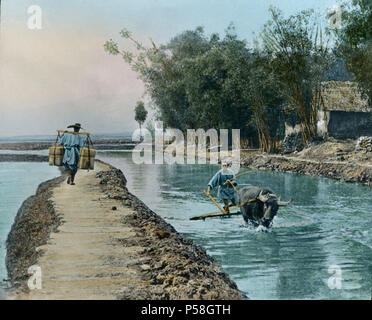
(72, 143)
(225, 182)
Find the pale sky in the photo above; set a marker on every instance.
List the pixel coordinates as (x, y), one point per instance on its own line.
(59, 75)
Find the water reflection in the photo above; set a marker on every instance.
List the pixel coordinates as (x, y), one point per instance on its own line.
(301, 258)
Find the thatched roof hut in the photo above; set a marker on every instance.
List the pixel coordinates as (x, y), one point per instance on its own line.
(344, 96)
(346, 112)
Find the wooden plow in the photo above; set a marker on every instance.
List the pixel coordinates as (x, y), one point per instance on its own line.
(222, 212)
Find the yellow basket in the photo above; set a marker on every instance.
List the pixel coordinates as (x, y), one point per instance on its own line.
(56, 155)
(86, 160)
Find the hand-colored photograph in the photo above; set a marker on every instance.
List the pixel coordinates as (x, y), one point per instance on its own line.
(214, 150)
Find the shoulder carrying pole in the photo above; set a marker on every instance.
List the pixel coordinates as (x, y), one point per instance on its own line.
(65, 131)
(55, 149)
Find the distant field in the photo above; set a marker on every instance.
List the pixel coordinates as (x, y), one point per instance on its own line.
(46, 138)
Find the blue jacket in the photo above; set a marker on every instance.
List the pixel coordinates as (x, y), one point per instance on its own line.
(224, 191)
(72, 144)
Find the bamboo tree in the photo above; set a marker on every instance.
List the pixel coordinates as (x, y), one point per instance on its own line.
(354, 42)
(299, 60)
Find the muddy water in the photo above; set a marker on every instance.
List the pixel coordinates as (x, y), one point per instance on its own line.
(319, 248)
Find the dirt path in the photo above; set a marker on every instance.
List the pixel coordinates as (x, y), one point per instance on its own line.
(78, 260)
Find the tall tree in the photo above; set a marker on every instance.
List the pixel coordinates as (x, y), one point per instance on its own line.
(299, 60)
(199, 81)
(140, 114)
(354, 42)
(188, 78)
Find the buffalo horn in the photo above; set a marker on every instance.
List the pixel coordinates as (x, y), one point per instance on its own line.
(283, 203)
(263, 198)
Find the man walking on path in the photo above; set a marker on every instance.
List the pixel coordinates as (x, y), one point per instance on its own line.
(226, 186)
(72, 143)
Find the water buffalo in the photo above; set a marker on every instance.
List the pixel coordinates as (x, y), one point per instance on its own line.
(263, 210)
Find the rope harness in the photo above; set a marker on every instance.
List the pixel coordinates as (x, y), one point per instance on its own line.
(239, 206)
(55, 149)
(222, 212)
(88, 143)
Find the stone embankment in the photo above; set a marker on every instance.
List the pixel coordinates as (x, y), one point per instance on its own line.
(335, 160)
(95, 240)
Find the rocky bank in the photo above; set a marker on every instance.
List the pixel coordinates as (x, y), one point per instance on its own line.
(35, 221)
(339, 160)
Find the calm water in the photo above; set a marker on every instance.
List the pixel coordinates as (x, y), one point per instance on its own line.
(328, 224)
(18, 181)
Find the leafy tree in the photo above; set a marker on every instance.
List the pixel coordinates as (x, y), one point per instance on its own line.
(354, 42)
(140, 113)
(197, 81)
(299, 60)
(268, 103)
(186, 78)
